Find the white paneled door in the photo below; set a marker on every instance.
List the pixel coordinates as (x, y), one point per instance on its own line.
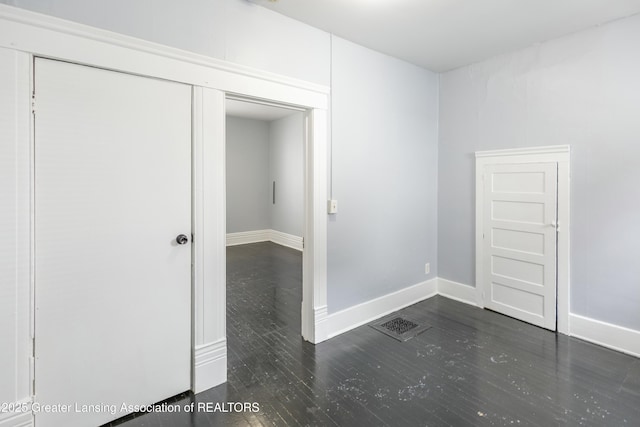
(519, 238)
(112, 282)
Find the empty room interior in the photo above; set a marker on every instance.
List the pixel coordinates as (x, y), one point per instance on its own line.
(336, 213)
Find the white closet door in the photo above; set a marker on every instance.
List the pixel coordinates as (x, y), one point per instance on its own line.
(113, 288)
(520, 211)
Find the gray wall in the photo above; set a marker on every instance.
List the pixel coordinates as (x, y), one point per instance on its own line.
(385, 154)
(234, 30)
(258, 153)
(286, 139)
(582, 90)
(384, 126)
(248, 188)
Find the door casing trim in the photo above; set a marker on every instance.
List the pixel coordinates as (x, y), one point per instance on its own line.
(34, 34)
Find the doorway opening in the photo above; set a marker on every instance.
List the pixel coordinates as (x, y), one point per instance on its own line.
(265, 214)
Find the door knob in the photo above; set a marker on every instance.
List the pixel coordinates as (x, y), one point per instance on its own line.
(182, 239)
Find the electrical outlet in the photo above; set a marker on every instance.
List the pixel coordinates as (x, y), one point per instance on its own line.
(427, 268)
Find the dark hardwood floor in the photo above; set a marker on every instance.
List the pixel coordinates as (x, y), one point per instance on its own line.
(472, 368)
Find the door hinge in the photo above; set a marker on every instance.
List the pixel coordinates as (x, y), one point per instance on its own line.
(303, 243)
(32, 366)
(32, 375)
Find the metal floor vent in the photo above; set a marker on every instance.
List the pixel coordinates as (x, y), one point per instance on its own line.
(399, 327)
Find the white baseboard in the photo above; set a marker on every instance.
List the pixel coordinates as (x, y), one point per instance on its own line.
(457, 291)
(13, 419)
(245, 237)
(358, 315)
(256, 236)
(595, 331)
(284, 239)
(210, 367)
(605, 334)
(320, 329)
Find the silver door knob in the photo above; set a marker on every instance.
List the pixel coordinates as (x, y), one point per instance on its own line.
(182, 239)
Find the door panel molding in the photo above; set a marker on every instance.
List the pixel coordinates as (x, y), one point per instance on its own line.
(560, 155)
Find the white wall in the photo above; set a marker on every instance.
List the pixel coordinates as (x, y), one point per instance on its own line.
(248, 185)
(15, 347)
(385, 170)
(286, 168)
(234, 30)
(582, 90)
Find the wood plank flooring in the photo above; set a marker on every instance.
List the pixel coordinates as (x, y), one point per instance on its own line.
(472, 368)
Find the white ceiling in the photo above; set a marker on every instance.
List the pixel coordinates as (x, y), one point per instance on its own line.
(250, 110)
(441, 35)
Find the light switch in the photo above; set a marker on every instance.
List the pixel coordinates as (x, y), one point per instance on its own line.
(332, 206)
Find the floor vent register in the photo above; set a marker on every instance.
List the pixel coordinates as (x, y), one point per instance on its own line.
(399, 327)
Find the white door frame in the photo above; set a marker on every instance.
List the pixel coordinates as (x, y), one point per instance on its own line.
(559, 154)
(48, 37)
(310, 317)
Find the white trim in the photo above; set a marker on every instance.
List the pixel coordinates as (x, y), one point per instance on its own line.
(18, 419)
(358, 315)
(209, 250)
(605, 334)
(257, 236)
(212, 79)
(17, 292)
(25, 246)
(56, 38)
(284, 239)
(314, 256)
(321, 324)
(197, 221)
(246, 237)
(559, 154)
(550, 149)
(210, 365)
(457, 291)
(595, 331)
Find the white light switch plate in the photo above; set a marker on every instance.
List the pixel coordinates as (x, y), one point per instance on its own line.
(332, 206)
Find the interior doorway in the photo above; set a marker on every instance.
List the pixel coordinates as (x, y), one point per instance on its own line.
(265, 187)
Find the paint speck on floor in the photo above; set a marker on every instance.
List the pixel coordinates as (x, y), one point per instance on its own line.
(502, 358)
(418, 391)
(536, 378)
